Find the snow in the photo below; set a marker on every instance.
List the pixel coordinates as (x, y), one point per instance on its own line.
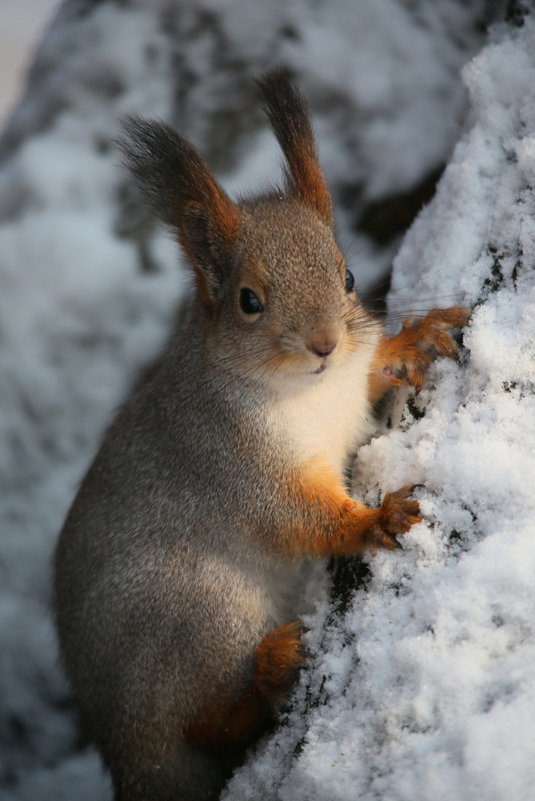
(422, 683)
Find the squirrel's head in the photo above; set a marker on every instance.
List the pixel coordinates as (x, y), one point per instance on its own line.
(276, 294)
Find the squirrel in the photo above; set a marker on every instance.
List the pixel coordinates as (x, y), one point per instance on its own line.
(176, 573)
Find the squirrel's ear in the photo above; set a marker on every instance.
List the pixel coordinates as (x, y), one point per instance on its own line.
(185, 195)
(287, 113)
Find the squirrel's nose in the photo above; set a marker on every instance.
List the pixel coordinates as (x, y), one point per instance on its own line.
(322, 348)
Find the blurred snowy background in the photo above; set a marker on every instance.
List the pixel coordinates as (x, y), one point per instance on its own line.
(21, 25)
(422, 683)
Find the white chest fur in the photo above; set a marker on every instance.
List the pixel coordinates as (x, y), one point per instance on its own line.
(327, 416)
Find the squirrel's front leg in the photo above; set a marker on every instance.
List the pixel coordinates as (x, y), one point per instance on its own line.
(324, 520)
(404, 358)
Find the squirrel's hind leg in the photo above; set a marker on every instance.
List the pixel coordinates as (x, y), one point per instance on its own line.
(234, 725)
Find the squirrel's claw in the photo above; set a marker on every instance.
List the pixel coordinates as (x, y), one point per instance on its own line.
(397, 514)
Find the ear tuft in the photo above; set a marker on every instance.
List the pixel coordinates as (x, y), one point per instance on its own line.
(181, 189)
(287, 112)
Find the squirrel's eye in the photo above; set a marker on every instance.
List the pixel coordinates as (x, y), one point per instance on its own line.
(350, 281)
(249, 302)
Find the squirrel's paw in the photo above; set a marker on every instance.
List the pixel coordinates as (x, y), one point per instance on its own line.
(407, 355)
(279, 657)
(396, 515)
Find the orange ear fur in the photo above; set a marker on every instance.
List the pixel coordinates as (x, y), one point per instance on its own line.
(287, 112)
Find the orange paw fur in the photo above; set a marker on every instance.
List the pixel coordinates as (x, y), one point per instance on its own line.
(279, 657)
(396, 515)
(404, 358)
